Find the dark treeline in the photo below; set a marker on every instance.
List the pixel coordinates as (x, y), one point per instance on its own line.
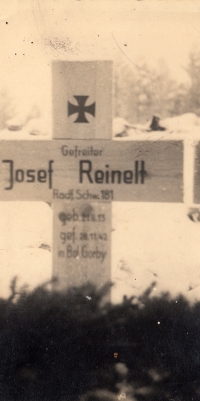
(72, 346)
(141, 91)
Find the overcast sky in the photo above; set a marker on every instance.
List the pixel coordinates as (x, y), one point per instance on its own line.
(38, 32)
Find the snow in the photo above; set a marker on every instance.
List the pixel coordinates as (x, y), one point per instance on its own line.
(21, 127)
(150, 243)
(183, 125)
(122, 127)
(155, 243)
(186, 121)
(23, 134)
(25, 237)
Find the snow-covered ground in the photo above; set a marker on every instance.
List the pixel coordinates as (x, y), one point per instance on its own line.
(25, 238)
(155, 243)
(184, 125)
(151, 242)
(34, 130)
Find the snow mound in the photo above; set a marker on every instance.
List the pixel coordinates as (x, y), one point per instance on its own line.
(38, 127)
(188, 123)
(122, 128)
(180, 123)
(27, 125)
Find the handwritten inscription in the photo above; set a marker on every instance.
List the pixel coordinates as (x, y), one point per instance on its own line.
(84, 216)
(99, 171)
(84, 251)
(82, 238)
(83, 233)
(109, 176)
(77, 151)
(68, 238)
(78, 194)
(21, 175)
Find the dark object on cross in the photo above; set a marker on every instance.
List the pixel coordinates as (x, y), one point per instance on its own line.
(155, 124)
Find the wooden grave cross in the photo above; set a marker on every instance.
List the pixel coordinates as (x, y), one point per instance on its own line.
(83, 170)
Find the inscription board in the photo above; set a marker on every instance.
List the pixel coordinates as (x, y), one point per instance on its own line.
(92, 170)
(81, 243)
(197, 174)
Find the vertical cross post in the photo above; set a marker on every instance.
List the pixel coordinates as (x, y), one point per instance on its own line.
(82, 110)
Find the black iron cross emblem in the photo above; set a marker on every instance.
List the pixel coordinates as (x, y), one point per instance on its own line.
(81, 109)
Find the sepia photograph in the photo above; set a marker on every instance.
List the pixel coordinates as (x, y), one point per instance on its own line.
(100, 200)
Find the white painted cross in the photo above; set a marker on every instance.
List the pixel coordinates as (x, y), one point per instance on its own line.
(82, 171)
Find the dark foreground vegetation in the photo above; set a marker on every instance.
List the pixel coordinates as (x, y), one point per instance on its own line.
(71, 346)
